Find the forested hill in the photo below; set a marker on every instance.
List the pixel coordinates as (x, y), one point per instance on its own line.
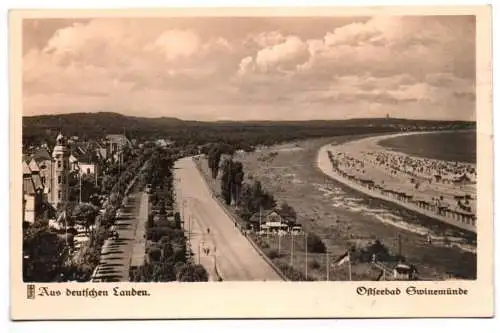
(37, 129)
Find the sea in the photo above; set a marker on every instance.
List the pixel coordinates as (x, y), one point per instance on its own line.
(459, 146)
(451, 146)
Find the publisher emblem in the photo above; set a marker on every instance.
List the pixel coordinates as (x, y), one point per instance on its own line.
(30, 291)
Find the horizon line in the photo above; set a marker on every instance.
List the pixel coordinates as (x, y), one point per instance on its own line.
(239, 120)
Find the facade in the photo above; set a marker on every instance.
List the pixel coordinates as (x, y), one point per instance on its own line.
(115, 146)
(60, 170)
(269, 221)
(45, 179)
(32, 196)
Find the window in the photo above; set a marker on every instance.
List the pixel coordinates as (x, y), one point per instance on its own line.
(88, 171)
(59, 179)
(58, 164)
(59, 194)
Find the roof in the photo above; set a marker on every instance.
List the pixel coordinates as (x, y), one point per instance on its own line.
(118, 138)
(33, 166)
(26, 168)
(256, 217)
(41, 154)
(90, 157)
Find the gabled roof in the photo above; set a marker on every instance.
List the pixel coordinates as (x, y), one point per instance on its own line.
(255, 217)
(33, 166)
(26, 168)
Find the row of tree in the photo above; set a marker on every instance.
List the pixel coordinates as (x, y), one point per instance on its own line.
(47, 254)
(232, 181)
(214, 152)
(167, 250)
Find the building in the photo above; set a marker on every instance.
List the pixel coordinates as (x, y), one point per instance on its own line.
(269, 221)
(164, 143)
(60, 170)
(116, 143)
(45, 179)
(32, 196)
(404, 272)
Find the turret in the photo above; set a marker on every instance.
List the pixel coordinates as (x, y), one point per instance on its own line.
(60, 171)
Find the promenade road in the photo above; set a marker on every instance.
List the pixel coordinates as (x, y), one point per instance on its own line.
(235, 258)
(116, 255)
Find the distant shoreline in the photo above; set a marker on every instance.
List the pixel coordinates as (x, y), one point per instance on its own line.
(431, 140)
(324, 164)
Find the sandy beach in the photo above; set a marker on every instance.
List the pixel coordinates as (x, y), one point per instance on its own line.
(363, 173)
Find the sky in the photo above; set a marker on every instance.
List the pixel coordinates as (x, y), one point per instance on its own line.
(266, 68)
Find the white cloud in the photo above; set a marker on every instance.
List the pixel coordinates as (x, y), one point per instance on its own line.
(266, 39)
(362, 67)
(175, 44)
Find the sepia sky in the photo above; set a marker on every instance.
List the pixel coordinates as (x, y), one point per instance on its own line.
(252, 68)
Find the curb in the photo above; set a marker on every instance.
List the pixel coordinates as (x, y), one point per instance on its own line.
(235, 218)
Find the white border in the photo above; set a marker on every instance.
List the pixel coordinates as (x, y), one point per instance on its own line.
(371, 325)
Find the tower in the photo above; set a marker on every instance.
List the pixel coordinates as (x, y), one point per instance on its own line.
(60, 172)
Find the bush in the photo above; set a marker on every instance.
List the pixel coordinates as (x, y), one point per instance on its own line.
(315, 244)
(291, 273)
(177, 219)
(314, 265)
(192, 273)
(150, 223)
(380, 251)
(272, 254)
(154, 254)
(156, 233)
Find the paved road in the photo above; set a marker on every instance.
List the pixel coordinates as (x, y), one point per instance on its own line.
(234, 256)
(116, 254)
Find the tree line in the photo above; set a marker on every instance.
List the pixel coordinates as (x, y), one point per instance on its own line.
(241, 135)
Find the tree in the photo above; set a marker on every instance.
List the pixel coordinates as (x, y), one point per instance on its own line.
(177, 219)
(226, 181)
(237, 176)
(86, 214)
(43, 255)
(315, 244)
(192, 273)
(214, 155)
(288, 213)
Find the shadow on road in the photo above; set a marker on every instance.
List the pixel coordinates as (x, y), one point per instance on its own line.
(106, 265)
(112, 252)
(114, 258)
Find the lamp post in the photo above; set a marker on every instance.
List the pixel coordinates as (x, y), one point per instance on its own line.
(199, 252)
(327, 267)
(306, 253)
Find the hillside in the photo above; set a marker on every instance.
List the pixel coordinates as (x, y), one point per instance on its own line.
(238, 133)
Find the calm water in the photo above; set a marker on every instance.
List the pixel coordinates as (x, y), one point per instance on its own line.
(449, 146)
